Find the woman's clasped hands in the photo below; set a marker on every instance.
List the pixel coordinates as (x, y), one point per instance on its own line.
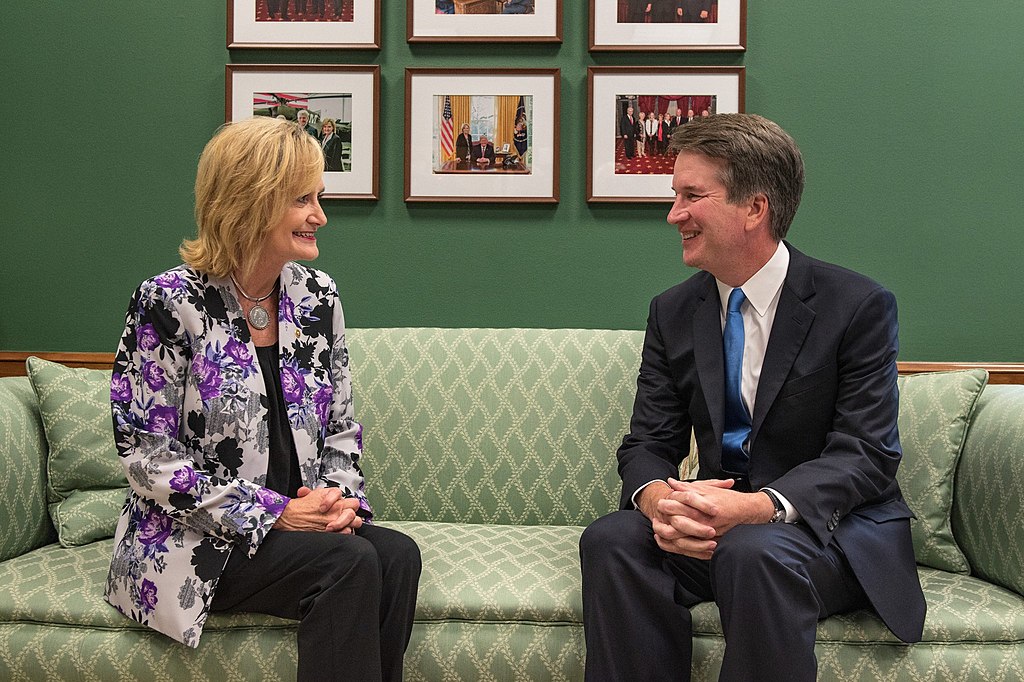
(320, 509)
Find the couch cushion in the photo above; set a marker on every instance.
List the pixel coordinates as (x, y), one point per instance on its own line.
(24, 523)
(478, 576)
(92, 641)
(935, 411)
(962, 609)
(988, 509)
(508, 426)
(494, 573)
(85, 480)
(973, 631)
(64, 586)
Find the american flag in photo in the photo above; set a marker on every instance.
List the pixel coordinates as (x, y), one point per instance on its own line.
(447, 135)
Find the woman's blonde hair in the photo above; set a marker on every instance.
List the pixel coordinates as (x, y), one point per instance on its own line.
(249, 174)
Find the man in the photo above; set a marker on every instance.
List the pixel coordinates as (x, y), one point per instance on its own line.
(302, 118)
(694, 11)
(483, 152)
(627, 129)
(796, 513)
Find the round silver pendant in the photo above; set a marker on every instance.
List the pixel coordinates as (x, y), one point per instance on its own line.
(259, 318)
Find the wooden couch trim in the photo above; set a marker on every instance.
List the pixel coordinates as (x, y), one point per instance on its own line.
(12, 363)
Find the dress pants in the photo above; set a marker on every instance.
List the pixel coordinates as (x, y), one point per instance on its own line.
(353, 595)
(772, 583)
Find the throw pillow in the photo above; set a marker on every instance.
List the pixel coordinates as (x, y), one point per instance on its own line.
(86, 485)
(935, 411)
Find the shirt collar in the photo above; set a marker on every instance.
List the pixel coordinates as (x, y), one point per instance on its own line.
(762, 288)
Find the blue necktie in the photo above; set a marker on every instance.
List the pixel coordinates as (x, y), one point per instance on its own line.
(737, 419)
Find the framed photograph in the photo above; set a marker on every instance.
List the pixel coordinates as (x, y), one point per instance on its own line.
(337, 104)
(668, 25)
(633, 112)
(484, 21)
(306, 24)
(481, 135)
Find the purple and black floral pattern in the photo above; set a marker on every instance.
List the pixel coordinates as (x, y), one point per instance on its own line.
(188, 403)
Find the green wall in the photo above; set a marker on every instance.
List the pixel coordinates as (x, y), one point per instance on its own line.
(908, 115)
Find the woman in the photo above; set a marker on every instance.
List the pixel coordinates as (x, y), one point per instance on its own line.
(652, 134)
(463, 145)
(332, 146)
(232, 408)
(641, 136)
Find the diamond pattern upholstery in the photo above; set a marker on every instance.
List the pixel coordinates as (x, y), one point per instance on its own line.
(24, 522)
(493, 449)
(988, 508)
(487, 425)
(935, 410)
(85, 480)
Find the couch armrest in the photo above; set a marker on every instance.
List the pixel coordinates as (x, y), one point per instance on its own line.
(988, 507)
(24, 520)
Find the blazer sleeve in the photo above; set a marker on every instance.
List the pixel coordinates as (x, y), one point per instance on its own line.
(343, 445)
(861, 454)
(659, 430)
(148, 385)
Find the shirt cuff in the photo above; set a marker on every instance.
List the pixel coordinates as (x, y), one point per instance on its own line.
(638, 491)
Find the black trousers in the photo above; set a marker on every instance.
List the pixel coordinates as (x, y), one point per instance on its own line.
(772, 584)
(353, 595)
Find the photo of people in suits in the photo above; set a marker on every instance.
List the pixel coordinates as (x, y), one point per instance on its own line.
(305, 10)
(326, 117)
(483, 6)
(644, 125)
(483, 134)
(667, 11)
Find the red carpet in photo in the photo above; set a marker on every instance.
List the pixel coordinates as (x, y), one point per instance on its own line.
(306, 7)
(652, 164)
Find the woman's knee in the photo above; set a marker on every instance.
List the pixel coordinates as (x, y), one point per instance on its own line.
(404, 554)
(349, 557)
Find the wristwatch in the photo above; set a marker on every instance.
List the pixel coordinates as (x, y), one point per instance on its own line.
(780, 511)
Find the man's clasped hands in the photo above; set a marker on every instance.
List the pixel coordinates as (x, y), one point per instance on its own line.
(689, 516)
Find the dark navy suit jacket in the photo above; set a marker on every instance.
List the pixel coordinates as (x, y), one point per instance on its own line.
(823, 431)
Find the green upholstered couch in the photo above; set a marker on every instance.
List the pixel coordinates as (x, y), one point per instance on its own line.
(493, 449)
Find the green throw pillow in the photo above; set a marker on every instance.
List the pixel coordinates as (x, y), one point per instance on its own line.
(935, 411)
(86, 483)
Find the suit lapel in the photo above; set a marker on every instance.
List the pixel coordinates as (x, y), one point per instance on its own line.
(707, 353)
(793, 320)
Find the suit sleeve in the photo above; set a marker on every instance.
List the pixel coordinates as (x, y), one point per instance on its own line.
(151, 368)
(343, 445)
(659, 430)
(862, 452)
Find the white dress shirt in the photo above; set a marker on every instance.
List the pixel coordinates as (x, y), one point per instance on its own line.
(762, 291)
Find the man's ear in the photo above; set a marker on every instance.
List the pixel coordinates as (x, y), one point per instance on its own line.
(757, 211)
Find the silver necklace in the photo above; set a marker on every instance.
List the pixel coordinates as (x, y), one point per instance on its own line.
(258, 316)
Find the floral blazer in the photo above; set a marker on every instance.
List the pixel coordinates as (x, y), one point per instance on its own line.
(189, 408)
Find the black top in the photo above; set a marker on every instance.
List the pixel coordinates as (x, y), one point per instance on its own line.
(283, 468)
